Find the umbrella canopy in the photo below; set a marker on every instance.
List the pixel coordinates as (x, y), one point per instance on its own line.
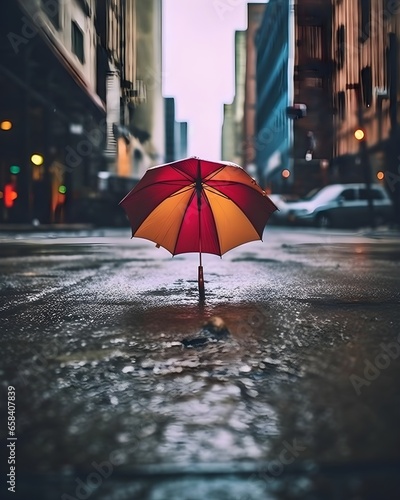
(195, 205)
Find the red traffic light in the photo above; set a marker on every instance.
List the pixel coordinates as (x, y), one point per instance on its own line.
(9, 195)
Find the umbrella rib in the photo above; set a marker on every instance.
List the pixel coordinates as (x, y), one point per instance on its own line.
(215, 224)
(214, 173)
(233, 183)
(183, 218)
(180, 191)
(215, 191)
(171, 183)
(234, 202)
(184, 174)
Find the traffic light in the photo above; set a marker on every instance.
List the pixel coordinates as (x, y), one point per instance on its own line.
(15, 169)
(359, 134)
(10, 195)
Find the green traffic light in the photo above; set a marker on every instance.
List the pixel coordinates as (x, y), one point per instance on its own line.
(62, 189)
(14, 169)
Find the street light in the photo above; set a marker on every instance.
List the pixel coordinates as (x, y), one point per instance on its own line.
(359, 134)
(6, 125)
(380, 175)
(37, 159)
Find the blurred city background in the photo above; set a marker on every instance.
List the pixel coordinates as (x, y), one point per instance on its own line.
(99, 331)
(83, 113)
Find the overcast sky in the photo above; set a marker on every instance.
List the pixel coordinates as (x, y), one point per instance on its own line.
(198, 65)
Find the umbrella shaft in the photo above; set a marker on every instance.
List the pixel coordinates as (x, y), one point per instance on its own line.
(201, 283)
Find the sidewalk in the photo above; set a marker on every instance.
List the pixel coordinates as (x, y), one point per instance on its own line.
(17, 228)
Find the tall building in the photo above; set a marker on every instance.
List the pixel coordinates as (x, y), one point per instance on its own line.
(147, 121)
(366, 92)
(361, 51)
(74, 76)
(228, 134)
(312, 86)
(117, 24)
(294, 67)
(51, 148)
(339, 60)
(232, 129)
(175, 133)
(255, 12)
(274, 92)
(181, 142)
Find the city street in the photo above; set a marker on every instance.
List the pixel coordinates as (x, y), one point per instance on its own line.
(300, 401)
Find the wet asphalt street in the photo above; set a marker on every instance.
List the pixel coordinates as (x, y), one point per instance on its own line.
(301, 401)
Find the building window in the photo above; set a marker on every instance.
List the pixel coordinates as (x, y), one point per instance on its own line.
(313, 81)
(77, 42)
(366, 85)
(309, 43)
(85, 6)
(387, 68)
(341, 105)
(391, 65)
(365, 19)
(52, 10)
(340, 46)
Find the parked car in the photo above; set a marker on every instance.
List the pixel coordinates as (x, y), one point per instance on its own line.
(340, 205)
(279, 217)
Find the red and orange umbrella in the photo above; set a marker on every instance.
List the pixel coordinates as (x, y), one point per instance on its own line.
(195, 205)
